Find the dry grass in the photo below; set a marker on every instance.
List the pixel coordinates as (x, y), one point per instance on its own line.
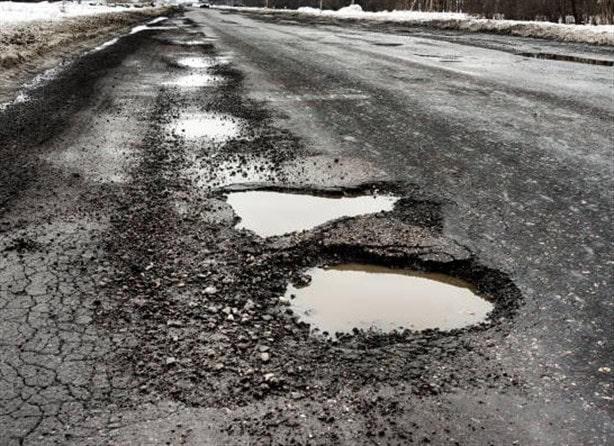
(29, 48)
(25, 41)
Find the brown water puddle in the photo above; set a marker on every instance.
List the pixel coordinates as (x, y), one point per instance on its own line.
(349, 296)
(275, 213)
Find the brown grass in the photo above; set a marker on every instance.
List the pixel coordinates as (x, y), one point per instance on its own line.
(29, 48)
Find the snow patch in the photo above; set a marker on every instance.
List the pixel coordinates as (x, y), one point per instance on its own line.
(106, 44)
(351, 9)
(140, 28)
(157, 20)
(600, 34)
(15, 12)
(23, 94)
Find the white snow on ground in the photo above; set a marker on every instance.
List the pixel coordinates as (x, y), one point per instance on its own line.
(15, 12)
(356, 12)
(601, 34)
(43, 33)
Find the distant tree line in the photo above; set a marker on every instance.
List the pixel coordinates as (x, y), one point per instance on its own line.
(577, 11)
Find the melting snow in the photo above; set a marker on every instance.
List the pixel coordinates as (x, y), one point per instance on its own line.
(140, 28)
(15, 12)
(601, 34)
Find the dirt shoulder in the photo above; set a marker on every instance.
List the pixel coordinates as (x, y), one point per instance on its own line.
(27, 49)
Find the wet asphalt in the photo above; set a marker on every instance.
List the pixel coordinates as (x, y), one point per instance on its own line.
(134, 312)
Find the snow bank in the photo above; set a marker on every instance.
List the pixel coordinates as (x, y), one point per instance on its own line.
(15, 12)
(351, 9)
(33, 41)
(356, 12)
(601, 35)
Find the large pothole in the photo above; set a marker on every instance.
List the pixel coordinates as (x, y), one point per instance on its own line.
(345, 297)
(270, 213)
(393, 271)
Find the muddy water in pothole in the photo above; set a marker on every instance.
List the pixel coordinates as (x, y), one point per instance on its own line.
(349, 296)
(274, 213)
(194, 80)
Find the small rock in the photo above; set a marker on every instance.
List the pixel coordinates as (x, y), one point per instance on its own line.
(170, 360)
(265, 357)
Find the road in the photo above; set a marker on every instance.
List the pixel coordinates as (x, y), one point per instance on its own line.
(133, 312)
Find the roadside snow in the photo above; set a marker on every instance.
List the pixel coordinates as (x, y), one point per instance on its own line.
(15, 12)
(356, 12)
(602, 34)
(38, 36)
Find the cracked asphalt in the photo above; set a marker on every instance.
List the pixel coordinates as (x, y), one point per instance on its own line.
(133, 312)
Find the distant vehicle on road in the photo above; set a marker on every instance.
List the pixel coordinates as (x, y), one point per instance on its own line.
(205, 5)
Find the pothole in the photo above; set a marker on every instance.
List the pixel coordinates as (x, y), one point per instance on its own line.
(194, 80)
(270, 213)
(195, 62)
(367, 297)
(197, 42)
(212, 126)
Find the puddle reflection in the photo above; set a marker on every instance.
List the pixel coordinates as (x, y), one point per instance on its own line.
(213, 126)
(195, 62)
(194, 80)
(274, 213)
(349, 296)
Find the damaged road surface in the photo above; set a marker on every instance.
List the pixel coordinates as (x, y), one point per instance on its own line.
(144, 300)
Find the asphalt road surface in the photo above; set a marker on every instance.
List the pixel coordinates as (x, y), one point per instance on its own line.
(133, 312)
